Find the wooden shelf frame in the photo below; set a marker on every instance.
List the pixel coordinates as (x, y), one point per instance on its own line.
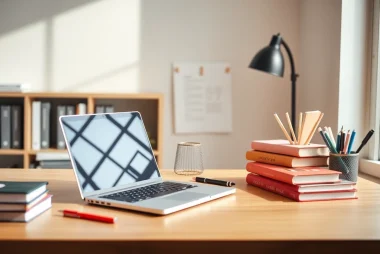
(28, 153)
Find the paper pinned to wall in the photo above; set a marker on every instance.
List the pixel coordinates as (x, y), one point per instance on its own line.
(202, 97)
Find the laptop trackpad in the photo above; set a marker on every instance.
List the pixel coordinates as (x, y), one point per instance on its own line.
(186, 196)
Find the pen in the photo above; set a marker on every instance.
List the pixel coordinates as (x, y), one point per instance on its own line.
(213, 181)
(87, 216)
(352, 139)
(365, 140)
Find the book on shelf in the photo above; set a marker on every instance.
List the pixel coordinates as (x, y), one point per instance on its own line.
(108, 109)
(285, 160)
(61, 111)
(100, 109)
(36, 125)
(26, 216)
(14, 87)
(45, 124)
(46, 156)
(16, 117)
(81, 108)
(55, 164)
(21, 192)
(5, 121)
(290, 191)
(304, 175)
(70, 110)
(281, 146)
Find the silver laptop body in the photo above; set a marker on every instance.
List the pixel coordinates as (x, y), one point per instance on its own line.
(111, 155)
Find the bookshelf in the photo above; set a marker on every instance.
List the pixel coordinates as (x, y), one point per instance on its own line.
(149, 105)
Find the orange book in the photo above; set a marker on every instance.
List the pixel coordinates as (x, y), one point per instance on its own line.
(306, 175)
(285, 160)
(282, 146)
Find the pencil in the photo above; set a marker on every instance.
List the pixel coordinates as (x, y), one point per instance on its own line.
(299, 128)
(314, 129)
(291, 128)
(283, 129)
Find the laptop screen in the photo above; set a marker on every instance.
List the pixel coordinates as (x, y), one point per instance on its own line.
(109, 150)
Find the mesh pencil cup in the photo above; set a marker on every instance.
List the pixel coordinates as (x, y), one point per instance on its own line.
(188, 159)
(348, 164)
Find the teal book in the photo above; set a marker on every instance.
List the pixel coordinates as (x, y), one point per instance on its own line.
(21, 192)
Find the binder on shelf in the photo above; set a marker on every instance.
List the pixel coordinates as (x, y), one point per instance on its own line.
(36, 125)
(81, 108)
(109, 109)
(70, 110)
(45, 125)
(61, 111)
(16, 127)
(5, 126)
(99, 109)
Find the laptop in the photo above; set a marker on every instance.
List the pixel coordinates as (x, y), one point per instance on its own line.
(115, 166)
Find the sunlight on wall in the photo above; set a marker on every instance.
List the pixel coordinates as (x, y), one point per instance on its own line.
(22, 55)
(96, 47)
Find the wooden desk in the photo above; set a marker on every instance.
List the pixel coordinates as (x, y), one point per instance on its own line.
(252, 218)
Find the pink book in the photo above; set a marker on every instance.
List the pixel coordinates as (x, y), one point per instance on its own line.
(282, 146)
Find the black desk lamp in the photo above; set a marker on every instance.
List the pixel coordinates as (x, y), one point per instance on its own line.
(270, 60)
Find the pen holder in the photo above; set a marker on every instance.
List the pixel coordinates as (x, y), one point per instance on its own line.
(348, 164)
(188, 159)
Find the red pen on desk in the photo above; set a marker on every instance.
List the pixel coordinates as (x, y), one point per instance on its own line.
(87, 216)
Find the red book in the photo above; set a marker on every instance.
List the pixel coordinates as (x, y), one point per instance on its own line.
(306, 175)
(289, 192)
(282, 146)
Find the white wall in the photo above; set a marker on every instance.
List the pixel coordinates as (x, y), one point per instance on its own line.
(319, 59)
(354, 79)
(129, 45)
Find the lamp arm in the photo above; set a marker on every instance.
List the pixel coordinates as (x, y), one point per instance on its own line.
(293, 78)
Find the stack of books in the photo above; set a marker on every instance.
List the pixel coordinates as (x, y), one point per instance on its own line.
(14, 88)
(23, 201)
(56, 160)
(298, 172)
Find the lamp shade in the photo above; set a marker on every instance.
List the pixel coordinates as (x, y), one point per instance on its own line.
(270, 58)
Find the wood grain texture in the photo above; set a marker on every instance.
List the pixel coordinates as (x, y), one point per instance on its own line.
(251, 214)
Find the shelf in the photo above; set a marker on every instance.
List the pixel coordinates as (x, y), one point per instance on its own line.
(50, 150)
(11, 151)
(53, 150)
(11, 95)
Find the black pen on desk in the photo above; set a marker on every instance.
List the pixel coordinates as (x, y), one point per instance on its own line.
(213, 181)
(365, 140)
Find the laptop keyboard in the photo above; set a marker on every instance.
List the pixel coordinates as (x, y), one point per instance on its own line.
(147, 192)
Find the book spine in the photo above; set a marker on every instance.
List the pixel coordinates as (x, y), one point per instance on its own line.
(81, 109)
(269, 158)
(5, 126)
(271, 186)
(70, 110)
(36, 125)
(279, 176)
(16, 127)
(61, 111)
(275, 149)
(99, 109)
(45, 125)
(109, 109)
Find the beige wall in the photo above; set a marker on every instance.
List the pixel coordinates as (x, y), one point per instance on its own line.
(319, 62)
(129, 45)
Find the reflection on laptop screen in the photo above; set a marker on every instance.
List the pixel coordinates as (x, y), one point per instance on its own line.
(109, 150)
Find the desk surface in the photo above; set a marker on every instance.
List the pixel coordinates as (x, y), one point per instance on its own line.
(251, 214)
